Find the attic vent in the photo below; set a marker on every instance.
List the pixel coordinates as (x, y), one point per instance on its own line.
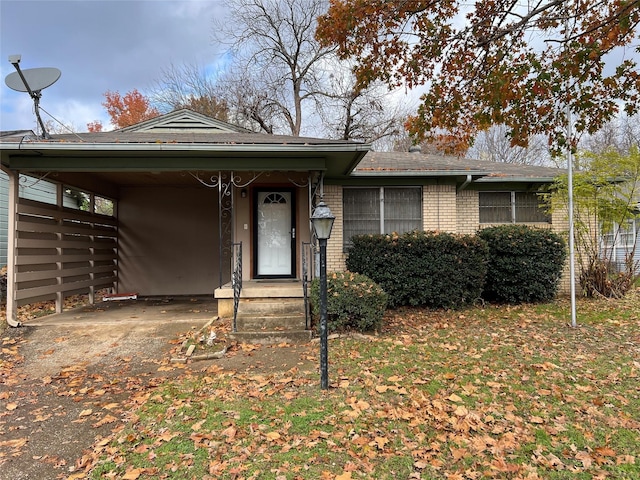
(415, 149)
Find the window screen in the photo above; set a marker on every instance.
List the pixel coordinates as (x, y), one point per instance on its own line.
(381, 210)
(529, 209)
(361, 211)
(402, 209)
(495, 207)
(511, 207)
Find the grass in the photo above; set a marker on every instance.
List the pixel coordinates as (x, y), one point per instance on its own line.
(494, 392)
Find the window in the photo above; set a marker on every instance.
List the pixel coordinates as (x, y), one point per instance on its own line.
(621, 235)
(381, 210)
(512, 207)
(628, 233)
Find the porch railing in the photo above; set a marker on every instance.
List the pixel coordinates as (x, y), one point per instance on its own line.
(308, 258)
(236, 280)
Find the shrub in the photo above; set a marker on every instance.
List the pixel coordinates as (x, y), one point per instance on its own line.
(525, 263)
(354, 302)
(423, 268)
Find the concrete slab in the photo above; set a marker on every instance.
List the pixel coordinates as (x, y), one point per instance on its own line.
(195, 310)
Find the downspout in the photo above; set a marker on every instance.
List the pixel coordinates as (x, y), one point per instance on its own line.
(465, 184)
(11, 303)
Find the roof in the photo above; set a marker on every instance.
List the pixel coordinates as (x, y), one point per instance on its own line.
(185, 140)
(184, 119)
(200, 144)
(15, 134)
(428, 165)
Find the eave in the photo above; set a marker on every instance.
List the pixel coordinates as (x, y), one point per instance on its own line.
(334, 159)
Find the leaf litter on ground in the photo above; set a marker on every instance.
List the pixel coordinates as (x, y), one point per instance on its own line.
(495, 391)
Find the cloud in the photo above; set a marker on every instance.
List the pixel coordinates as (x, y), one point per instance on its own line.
(98, 45)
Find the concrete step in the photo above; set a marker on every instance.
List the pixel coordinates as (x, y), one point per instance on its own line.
(271, 306)
(272, 337)
(247, 322)
(254, 289)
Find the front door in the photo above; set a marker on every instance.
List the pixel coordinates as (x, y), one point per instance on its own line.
(275, 234)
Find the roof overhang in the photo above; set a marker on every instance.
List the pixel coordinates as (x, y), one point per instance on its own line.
(335, 160)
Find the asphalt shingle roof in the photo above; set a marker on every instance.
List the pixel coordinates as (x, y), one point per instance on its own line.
(405, 162)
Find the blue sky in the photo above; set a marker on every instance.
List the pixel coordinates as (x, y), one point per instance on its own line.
(98, 45)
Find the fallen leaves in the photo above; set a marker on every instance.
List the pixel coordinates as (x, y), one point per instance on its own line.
(489, 398)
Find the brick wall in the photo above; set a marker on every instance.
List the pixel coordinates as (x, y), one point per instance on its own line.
(439, 208)
(468, 212)
(335, 256)
(443, 209)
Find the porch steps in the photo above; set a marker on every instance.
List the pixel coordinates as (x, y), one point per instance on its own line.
(268, 312)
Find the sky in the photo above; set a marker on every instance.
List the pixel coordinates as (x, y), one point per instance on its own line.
(98, 45)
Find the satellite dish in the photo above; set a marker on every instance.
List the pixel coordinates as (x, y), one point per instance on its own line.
(36, 79)
(32, 80)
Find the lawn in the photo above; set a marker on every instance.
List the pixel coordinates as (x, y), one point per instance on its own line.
(489, 392)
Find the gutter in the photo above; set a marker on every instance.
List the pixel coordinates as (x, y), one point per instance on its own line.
(497, 179)
(419, 173)
(183, 147)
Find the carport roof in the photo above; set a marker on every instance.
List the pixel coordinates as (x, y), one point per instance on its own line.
(134, 151)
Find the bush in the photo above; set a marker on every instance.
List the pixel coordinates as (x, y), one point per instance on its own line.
(525, 263)
(354, 302)
(438, 270)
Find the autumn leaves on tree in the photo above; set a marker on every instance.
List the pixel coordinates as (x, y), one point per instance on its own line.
(129, 109)
(498, 62)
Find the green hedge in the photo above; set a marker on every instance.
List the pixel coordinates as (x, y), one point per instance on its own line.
(525, 263)
(422, 268)
(354, 302)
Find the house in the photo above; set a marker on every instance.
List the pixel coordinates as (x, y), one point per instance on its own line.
(200, 207)
(622, 243)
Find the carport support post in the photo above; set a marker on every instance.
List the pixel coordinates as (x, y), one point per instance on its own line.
(59, 293)
(12, 302)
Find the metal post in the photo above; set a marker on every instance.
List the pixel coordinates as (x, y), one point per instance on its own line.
(324, 349)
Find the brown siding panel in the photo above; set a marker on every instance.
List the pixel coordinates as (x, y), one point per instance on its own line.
(62, 251)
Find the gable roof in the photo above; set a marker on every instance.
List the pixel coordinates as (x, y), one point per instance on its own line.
(181, 120)
(15, 134)
(180, 141)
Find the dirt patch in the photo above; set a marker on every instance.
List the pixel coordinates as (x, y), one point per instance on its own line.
(68, 381)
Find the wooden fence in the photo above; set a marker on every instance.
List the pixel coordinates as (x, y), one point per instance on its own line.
(62, 251)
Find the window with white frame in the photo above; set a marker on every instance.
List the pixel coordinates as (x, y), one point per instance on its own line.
(628, 232)
(380, 210)
(512, 207)
(623, 235)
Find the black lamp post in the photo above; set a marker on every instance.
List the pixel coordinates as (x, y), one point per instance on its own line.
(322, 220)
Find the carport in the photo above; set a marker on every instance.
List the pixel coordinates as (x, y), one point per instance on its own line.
(181, 190)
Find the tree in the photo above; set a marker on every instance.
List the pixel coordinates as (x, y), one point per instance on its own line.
(281, 80)
(128, 110)
(189, 86)
(273, 43)
(621, 134)
(373, 115)
(55, 126)
(494, 62)
(606, 198)
(94, 126)
(493, 144)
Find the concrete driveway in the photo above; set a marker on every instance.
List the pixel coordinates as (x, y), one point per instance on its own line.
(107, 331)
(68, 379)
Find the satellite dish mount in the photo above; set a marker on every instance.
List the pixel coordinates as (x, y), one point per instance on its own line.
(33, 81)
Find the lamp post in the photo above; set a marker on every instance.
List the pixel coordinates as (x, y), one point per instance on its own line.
(322, 221)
